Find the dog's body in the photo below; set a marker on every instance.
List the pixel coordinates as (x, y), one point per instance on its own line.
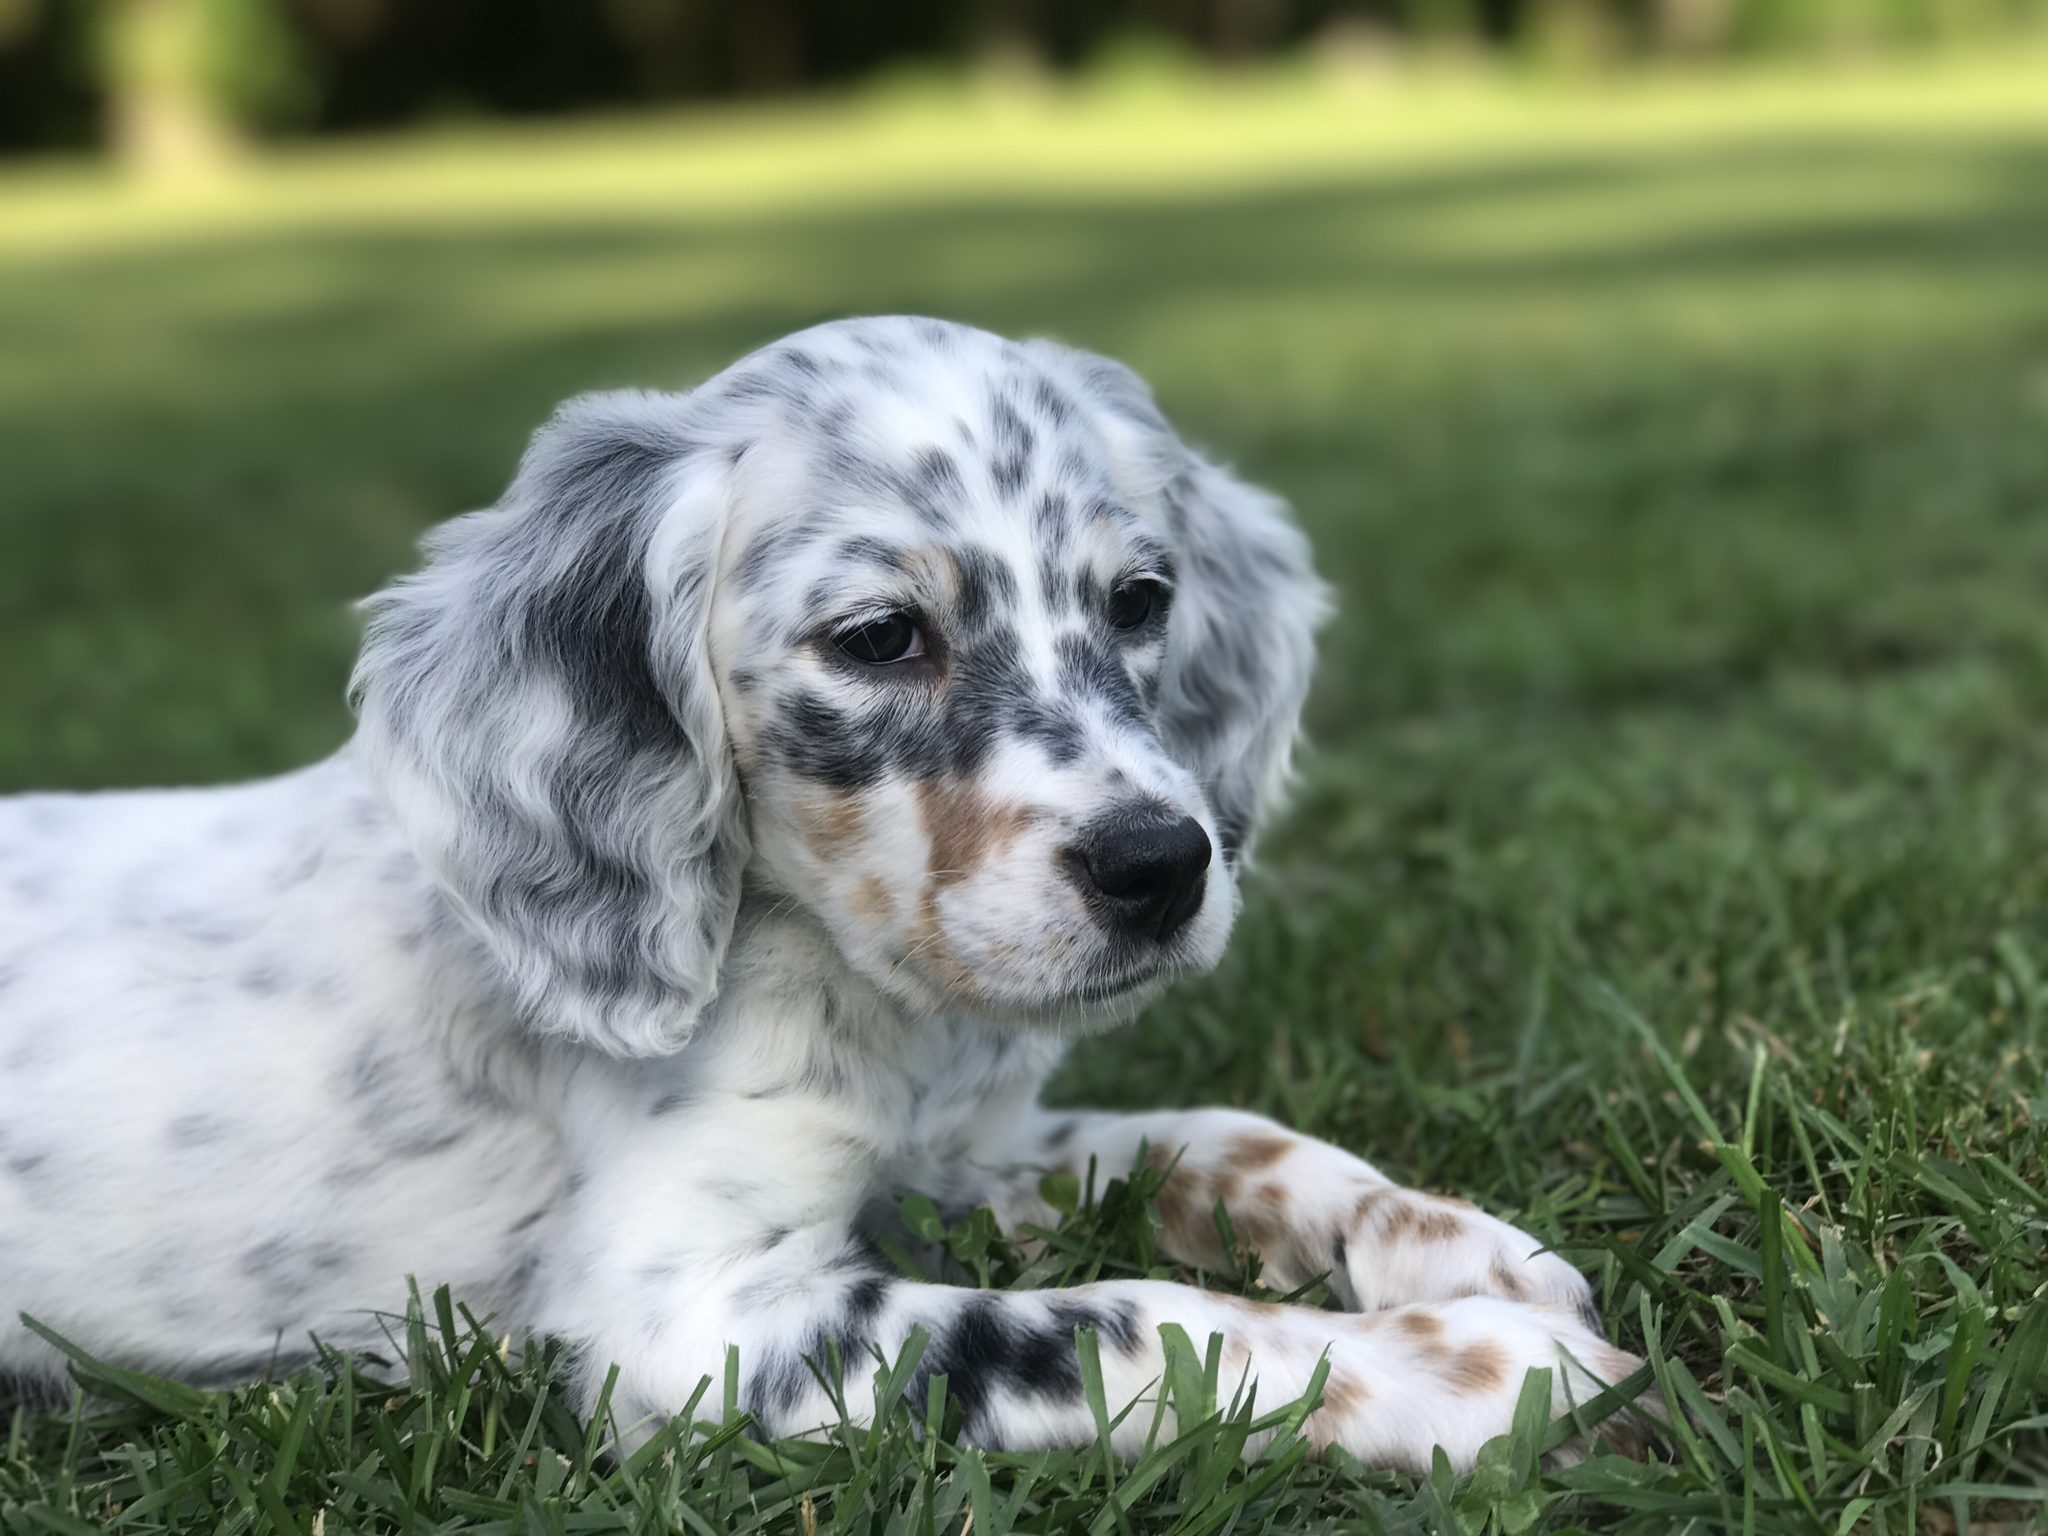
(737, 813)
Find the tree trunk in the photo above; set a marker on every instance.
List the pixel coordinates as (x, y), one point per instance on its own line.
(163, 120)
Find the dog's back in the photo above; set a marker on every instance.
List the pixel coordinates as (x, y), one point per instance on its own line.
(223, 1067)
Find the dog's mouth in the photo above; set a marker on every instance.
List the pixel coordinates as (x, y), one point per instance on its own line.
(1125, 982)
(1095, 1001)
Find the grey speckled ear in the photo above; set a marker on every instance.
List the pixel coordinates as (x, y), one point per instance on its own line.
(1246, 607)
(538, 707)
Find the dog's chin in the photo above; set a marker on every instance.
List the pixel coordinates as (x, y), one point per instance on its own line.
(1086, 1004)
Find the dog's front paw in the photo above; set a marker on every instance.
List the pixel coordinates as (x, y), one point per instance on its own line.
(1400, 1246)
(1414, 1378)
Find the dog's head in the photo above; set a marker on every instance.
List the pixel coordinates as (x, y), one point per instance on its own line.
(947, 638)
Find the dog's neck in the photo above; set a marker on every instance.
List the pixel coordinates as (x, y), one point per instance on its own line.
(784, 972)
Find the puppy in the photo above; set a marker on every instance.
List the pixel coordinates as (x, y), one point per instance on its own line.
(742, 815)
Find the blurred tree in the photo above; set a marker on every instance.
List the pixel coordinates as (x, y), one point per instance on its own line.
(183, 81)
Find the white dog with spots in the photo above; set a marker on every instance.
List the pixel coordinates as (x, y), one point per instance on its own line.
(742, 815)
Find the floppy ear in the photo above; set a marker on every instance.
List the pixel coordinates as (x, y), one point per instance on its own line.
(1247, 603)
(538, 707)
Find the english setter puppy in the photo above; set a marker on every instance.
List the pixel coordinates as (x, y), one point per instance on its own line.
(742, 816)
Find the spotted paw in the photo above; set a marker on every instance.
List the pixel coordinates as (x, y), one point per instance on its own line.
(1402, 1246)
(1450, 1375)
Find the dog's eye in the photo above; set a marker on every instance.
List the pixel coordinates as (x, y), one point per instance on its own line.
(884, 641)
(1132, 602)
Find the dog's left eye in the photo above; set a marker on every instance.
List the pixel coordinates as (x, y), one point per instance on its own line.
(1132, 602)
(884, 641)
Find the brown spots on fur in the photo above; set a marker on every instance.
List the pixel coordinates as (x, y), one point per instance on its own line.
(1401, 1220)
(833, 824)
(934, 570)
(1436, 1226)
(1272, 1194)
(1258, 1150)
(966, 829)
(934, 955)
(1420, 1325)
(1343, 1396)
(1187, 1203)
(871, 902)
(1480, 1367)
(1185, 1219)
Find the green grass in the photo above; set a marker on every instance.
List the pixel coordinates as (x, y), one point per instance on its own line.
(1670, 869)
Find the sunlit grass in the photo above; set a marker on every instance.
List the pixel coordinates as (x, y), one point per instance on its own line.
(1679, 450)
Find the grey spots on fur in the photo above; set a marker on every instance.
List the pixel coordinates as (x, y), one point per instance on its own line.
(263, 977)
(364, 813)
(427, 1142)
(843, 1333)
(349, 1175)
(50, 815)
(303, 865)
(1052, 401)
(28, 1053)
(1014, 441)
(33, 886)
(195, 1130)
(799, 361)
(867, 550)
(286, 1269)
(405, 1109)
(660, 1274)
(211, 930)
(327, 988)
(766, 551)
(371, 1072)
(936, 474)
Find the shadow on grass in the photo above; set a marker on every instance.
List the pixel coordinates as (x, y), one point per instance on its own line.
(212, 447)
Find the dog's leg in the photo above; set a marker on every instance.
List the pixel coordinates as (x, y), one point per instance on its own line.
(1305, 1207)
(1400, 1382)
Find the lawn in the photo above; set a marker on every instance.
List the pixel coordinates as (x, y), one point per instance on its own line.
(1669, 869)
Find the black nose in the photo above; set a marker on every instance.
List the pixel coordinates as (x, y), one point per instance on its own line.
(1143, 872)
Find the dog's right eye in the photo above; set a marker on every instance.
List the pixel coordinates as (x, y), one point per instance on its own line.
(882, 642)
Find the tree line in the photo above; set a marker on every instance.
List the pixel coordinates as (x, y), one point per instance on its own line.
(171, 77)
